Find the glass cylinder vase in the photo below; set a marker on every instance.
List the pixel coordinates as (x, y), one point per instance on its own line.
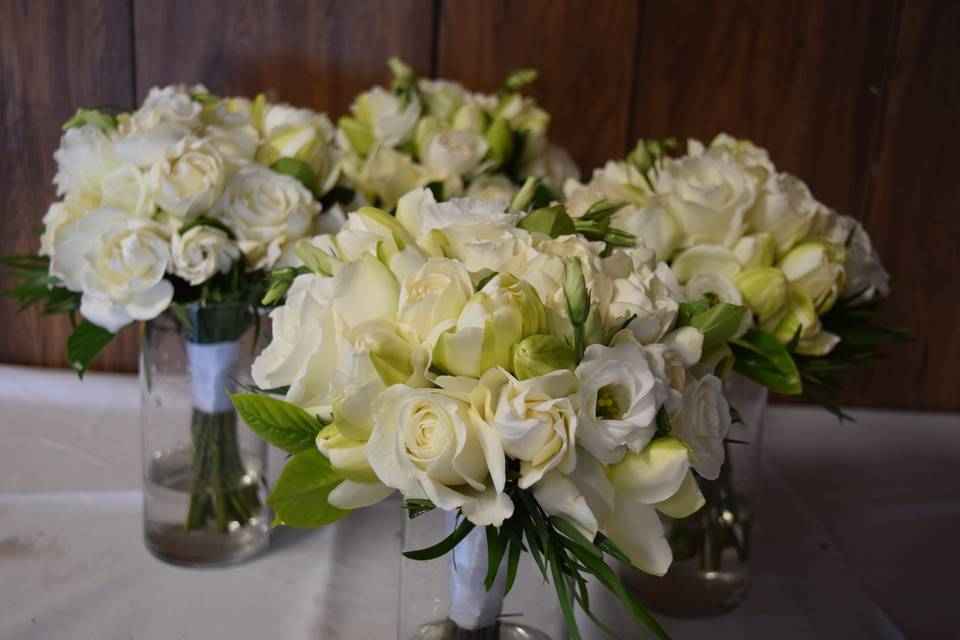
(711, 548)
(204, 498)
(445, 598)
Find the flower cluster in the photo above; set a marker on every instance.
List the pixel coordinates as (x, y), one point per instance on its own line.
(180, 188)
(436, 132)
(459, 357)
(734, 227)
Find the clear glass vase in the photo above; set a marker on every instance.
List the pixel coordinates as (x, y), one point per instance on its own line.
(711, 548)
(445, 598)
(204, 498)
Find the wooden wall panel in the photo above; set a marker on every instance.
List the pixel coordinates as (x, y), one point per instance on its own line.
(316, 54)
(584, 51)
(915, 214)
(54, 57)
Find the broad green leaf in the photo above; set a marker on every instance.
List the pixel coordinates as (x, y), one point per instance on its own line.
(85, 344)
(719, 323)
(300, 497)
(297, 169)
(280, 423)
(553, 221)
(760, 357)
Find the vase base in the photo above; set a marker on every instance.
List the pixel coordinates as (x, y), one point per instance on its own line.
(173, 545)
(448, 630)
(688, 591)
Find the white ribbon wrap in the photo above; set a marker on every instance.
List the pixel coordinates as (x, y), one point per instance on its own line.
(472, 607)
(211, 372)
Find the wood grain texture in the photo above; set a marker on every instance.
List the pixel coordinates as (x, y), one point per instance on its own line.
(54, 56)
(310, 53)
(915, 215)
(802, 78)
(584, 52)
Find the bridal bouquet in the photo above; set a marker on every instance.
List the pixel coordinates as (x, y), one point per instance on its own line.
(183, 205)
(437, 133)
(735, 229)
(491, 361)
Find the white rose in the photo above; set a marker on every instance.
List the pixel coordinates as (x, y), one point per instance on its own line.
(785, 209)
(535, 419)
(615, 181)
(491, 187)
(147, 148)
(708, 196)
(385, 175)
(84, 159)
(752, 158)
(118, 261)
(653, 225)
(453, 153)
(201, 253)
(443, 97)
(430, 444)
(390, 121)
(57, 216)
(702, 423)
(554, 166)
(189, 179)
(170, 104)
(619, 399)
(265, 210)
(865, 275)
(131, 189)
(432, 298)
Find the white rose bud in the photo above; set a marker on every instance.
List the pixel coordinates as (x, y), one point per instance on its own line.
(201, 253)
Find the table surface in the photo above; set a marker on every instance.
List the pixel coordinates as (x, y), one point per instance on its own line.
(856, 535)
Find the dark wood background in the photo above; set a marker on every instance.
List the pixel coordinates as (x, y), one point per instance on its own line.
(859, 97)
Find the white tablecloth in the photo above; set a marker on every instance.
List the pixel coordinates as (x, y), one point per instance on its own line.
(856, 535)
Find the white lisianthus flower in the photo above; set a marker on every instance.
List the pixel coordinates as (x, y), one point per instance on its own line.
(430, 444)
(709, 196)
(619, 399)
(453, 153)
(652, 295)
(491, 187)
(265, 210)
(432, 298)
(865, 275)
(702, 423)
(653, 225)
(189, 179)
(386, 175)
(755, 160)
(785, 209)
(460, 220)
(129, 188)
(535, 419)
(86, 156)
(201, 253)
(615, 181)
(118, 261)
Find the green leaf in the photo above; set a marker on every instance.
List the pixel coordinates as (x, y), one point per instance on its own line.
(513, 563)
(524, 196)
(602, 211)
(691, 308)
(500, 139)
(280, 423)
(85, 344)
(300, 497)
(445, 545)
(663, 423)
(417, 507)
(553, 221)
(568, 529)
(205, 98)
(719, 323)
(760, 357)
(436, 188)
(297, 169)
(92, 117)
(206, 221)
(518, 78)
(612, 549)
(496, 547)
(337, 195)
